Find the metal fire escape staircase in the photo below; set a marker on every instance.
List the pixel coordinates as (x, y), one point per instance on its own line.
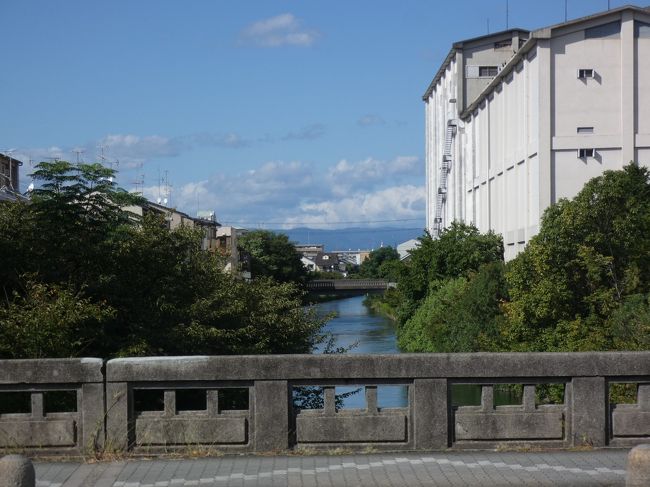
(445, 168)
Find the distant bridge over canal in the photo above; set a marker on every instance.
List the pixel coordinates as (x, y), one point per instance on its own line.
(348, 286)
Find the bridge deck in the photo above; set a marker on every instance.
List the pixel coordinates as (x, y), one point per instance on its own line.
(554, 468)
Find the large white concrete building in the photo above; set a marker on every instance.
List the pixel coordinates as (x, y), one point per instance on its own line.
(517, 120)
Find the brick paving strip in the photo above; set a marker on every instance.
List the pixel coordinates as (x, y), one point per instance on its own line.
(598, 467)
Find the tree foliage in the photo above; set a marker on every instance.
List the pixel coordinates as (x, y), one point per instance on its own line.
(460, 250)
(382, 263)
(273, 255)
(459, 314)
(583, 282)
(85, 277)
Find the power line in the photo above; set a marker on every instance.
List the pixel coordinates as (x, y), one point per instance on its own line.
(343, 231)
(322, 223)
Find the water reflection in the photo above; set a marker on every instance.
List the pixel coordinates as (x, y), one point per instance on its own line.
(366, 332)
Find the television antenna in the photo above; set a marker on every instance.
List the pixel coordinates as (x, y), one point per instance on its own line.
(103, 158)
(139, 182)
(78, 153)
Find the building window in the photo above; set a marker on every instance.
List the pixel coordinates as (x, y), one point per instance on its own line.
(585, 130)
(488, 71)
(585, 153)
(585, 73)
(503, 44)
(611, 30)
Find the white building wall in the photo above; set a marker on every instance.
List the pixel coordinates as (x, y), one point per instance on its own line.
(438, 111)
(585, 103)
(517, 152)
(497, 194)
(642, 92)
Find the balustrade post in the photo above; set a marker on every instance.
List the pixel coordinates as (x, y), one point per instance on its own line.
(431, 414)
(92, 417)
(272, 408)
(589, 411)
(117, 416)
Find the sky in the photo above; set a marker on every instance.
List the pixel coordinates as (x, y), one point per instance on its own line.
(271, 113)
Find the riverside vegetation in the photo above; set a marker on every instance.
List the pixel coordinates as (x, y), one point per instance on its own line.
(81, 276)
(582, 283)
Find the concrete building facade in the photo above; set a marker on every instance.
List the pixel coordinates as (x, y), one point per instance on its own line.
(10, 178)
(517, 120)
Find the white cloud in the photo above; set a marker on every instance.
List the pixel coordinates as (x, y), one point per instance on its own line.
(382, 206)
(370, 119)
(295, 193)
(309, 132)
(136, 146)
(254, 195)
(346, 177)
(281, 30)
(228, 140)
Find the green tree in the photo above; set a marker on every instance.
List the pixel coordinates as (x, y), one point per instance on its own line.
(380, 264)
(459, 314)
(87, 278)
(48, 320)
(64, 233)
(273, 255)
(583, 282)
(460, 250)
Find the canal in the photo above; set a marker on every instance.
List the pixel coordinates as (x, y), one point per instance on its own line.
(359, 329)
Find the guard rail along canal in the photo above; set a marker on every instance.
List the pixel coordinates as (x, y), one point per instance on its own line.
(246, 403)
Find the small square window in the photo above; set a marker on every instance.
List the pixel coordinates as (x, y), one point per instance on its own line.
(585, 73)
(584, 153)
(488, 71)
(585, 130)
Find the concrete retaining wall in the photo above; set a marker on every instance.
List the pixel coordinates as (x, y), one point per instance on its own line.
(268, 421)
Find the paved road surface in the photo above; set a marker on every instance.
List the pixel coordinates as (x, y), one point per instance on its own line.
(586, 468)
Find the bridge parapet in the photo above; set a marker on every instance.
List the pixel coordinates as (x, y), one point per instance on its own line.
(325, 285)
(52, 405)
(248, 403)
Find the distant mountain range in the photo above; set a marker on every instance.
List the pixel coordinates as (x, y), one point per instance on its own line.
(352, 238)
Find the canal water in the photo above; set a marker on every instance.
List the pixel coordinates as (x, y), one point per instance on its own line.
(361, 330)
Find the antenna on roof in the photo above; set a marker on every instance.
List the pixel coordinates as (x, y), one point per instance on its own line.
(507, 13)
(566, 10)
(103, 160)
(78, 153)
(488, 25)
(139, 182)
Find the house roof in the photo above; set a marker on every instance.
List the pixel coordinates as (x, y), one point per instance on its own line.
(326, 259)
(7, 194)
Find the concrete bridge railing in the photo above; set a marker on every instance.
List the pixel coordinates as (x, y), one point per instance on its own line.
(245, 403)
(324, 285)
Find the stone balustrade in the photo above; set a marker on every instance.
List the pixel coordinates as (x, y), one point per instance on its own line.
(246, 403)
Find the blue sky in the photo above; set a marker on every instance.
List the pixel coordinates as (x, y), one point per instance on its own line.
(270, 113)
